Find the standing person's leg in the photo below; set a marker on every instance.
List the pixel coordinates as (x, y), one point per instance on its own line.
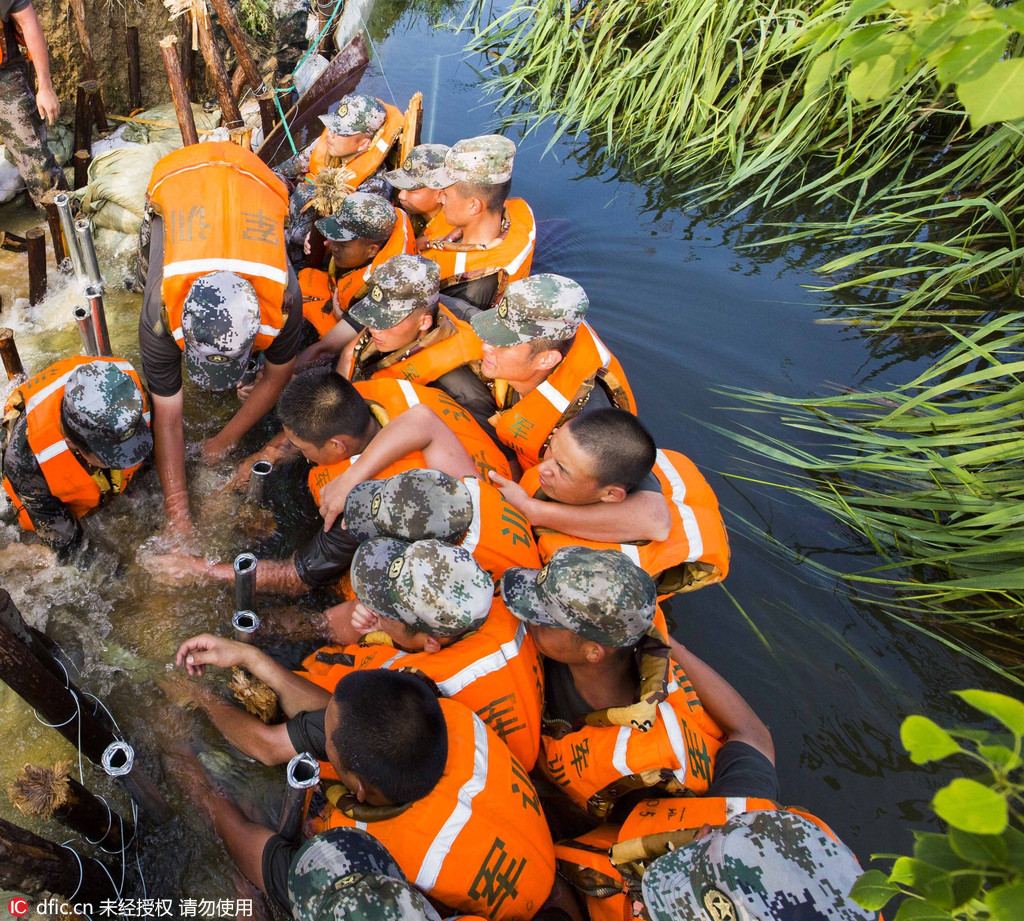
(24, 134)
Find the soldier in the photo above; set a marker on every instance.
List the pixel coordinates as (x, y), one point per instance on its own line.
(76, 433)
(21, 111)
(486, 239)
(423, 204)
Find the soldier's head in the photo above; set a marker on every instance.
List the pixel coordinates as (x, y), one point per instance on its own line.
(762, 866)
(413, 178)
(597, 456)
(386, 736)
(352, 125)
(323, 415)
(220, 320)
(426, 594)
(103, 415)
(345, 874)
(410, 506)
(476, 178)
(357, 231)
(402, 303)
(532, 329)
(585, 606)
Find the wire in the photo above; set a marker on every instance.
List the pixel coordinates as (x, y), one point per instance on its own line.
(380, 63)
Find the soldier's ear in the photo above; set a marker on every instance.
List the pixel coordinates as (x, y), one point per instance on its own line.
(364, 144)
(431, 644)
(593, 652)
(548, 360)
(611, 494)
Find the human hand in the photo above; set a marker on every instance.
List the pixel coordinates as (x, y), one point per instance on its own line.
(244, 391)
(364, 620)
(174, 568)
(206, 649)
(344, 365)
(48, 104)
(333, 496)
(305, 245)
(213, 451)
(511, 492)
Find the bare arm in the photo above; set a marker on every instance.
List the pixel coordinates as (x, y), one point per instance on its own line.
(723, 703)
(332, 343)
(32, 32)
(275, 576)
(262, 399)
(169, 449)
(417, 429)
(641, 515)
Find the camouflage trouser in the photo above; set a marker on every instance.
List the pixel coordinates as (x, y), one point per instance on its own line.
(24, 133)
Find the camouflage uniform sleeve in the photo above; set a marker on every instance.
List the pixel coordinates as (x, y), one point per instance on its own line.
(376, 185)
(296, 165)
(53, 521)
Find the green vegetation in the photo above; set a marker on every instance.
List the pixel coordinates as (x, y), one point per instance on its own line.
(975, 870)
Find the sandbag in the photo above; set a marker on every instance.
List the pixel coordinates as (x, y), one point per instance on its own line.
(11, 182)
(167, 131)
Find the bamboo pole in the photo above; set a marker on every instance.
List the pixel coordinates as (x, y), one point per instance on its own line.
(82, 159)
(246, 63)
(215, 64)
(131, 39)
(36, 240)
(179, 93)
(56, 233)
(31, 864)
(9, 354)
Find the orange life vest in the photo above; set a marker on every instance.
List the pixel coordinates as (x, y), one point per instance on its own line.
(364, 165)
(223, 210)
(389, 398)
(354, 284)
(527, 425)
(665, 741)
(478, 841)
(696, 551)
(317, 299)
(40, 398)
(495, 671)
(449, 345)
(461, 262)
(499, 535)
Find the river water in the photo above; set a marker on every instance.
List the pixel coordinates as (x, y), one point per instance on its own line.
(688, 310)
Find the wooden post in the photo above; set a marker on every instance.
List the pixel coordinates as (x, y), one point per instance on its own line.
(188, 57)
(53, 700)
(241, 136)
(131, 39)
(36, 239)
(12, 242)
(178, 91)
(9, 354)
(84, 114)
(246, 64)
(82, 160)
(89, 65)
(232, 118)
(31, 864)
(56, 233)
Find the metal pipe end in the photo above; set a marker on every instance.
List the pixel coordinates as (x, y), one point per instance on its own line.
(92, 291)
(245, 562)
(118, 758)
(303, 771)
(83, 224)
(62, 199)
(245, 621)
(262, 468)
(82, 313)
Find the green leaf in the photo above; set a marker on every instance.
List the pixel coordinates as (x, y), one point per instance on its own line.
(996, 97)
(934, 883)
(1006, 903)
(981, 850)
(1014, 841)
(819, 72)
(937, 35)
(863, 44)
(973, 56)
(926, 740)
(971, 806)
(1008, 710)
(937, 850)
(874, 79)
(1001, 756)
(1012, 16)
(873, 890)
(860, 8)
(918, 910)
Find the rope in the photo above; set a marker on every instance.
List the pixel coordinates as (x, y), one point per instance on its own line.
(115, 748)
(315, 45)
(77, 715)
(110, 822)
(376, 54)
(81, 871)
(284, 122)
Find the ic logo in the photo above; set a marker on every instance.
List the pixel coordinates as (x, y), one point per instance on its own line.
(17, 907)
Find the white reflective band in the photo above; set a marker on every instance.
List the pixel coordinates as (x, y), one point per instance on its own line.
(547, 390)
(354, 458)
(382, 146)
(672, 686)
(33, 401)
(58, 447)
(602, 349)
(493, 662)
(460, 263)
(632, 551)
(619, 755)
(734, 805)
(398, 655)
(441, 846)
(179, 335)
(270, 331)
(675, 738)
(361, 825)
(524, 254)
(409, 392)
(238, 266)
(147, 417)
(678, 497)
(472, 538)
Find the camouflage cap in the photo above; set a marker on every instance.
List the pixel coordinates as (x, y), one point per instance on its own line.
(485, 160)
(411, 506)
(356, 114)
(103, 412)
(428, 585)
(600, 595)
(398, 287)
(758, 866)
(220, 319)
(538, 307)
(345, 874)
(362, 216)
(416, 171)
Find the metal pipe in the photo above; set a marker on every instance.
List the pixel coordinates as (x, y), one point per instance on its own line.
(83, 317)
(303, 776)
(67, 224)
(83, 233)
(245, 623)
(245, 582)
(99, 321)
(261, 471)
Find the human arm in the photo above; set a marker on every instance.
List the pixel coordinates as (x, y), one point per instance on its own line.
(723, 703)
(641, 515)
(332, 343)
(278, 450)
(294, 693)
(417, 429)
(169, 451)
(276, 576)
(32, 34)
(262, 399)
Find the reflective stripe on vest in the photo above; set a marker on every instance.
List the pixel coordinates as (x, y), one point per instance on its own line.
(472, 539)
(495, 662)
(678, 497)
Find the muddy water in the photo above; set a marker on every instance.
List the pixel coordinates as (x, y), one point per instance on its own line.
(686, 311)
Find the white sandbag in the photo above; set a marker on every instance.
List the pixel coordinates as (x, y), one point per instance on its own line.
(116, 195)
(160, 124)
(11, 182)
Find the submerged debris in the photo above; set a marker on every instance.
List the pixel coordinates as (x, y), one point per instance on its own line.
(38, 791)
(259, 699)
